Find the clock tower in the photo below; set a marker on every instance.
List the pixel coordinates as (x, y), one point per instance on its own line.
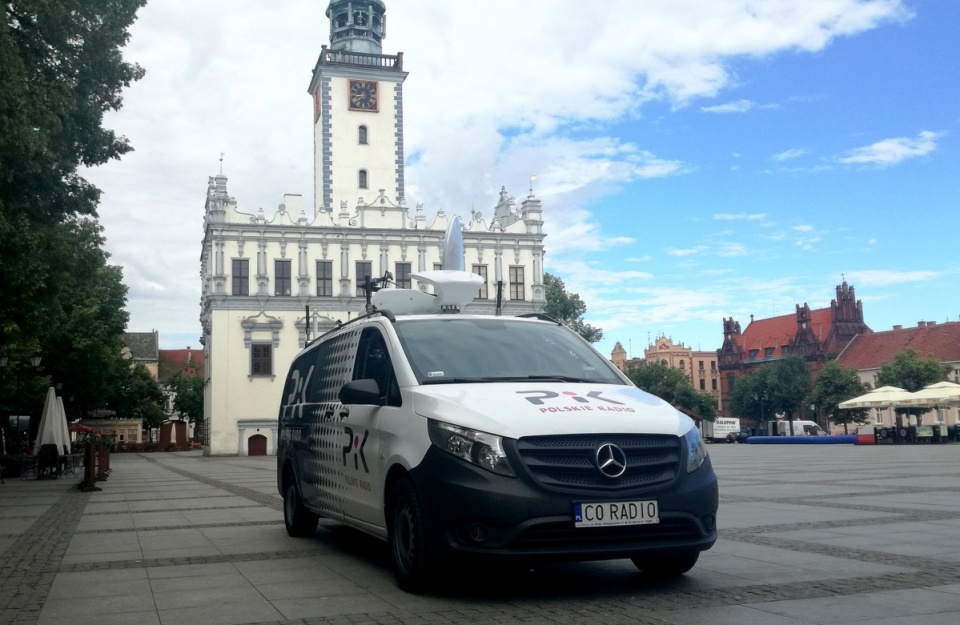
(357, 110)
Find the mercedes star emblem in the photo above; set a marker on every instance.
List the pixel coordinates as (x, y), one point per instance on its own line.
(611, 460)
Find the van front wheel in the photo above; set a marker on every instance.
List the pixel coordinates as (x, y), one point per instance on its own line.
(300, 522)
(667, 565)
(412, 557)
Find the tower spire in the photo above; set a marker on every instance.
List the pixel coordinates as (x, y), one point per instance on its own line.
(357, 25)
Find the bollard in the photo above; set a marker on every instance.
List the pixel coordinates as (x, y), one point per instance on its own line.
(101, 462)
(89, 470)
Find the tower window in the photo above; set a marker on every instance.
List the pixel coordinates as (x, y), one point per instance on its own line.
(362, 179)
(341, 19)
(362, 135)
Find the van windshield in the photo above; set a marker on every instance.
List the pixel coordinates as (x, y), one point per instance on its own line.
(462, 350)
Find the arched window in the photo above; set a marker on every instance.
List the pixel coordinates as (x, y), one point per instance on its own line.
(362, 179)
(362, 135)
(682, 366)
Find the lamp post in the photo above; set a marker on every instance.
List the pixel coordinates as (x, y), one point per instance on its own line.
(761, 397)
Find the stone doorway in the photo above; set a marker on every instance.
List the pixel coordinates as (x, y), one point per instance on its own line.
(257, 445)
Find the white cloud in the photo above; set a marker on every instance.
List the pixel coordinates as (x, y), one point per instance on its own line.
(803, 228)
(737, 106)
(686, 252)
(893, 151)
(734, 249)
(739, 216)
(787, 155)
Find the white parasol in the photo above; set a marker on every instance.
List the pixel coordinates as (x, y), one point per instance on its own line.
(882, 397)
(936, 395)
(66, 429)
(51, 430)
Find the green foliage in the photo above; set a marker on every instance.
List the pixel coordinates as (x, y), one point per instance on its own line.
(61, 69)
(568, 308)
(911, 373)
(672, 386)
(750, 399)
(189, 396)
(789, 385)
(836, 383)
(780, 387)
(140, 397)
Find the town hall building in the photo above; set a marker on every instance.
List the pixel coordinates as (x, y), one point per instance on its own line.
(271, 282)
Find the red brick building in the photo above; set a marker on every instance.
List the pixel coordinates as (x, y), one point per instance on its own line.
(816, 335)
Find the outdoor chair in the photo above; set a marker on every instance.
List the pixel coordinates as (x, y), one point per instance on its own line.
(48, 460)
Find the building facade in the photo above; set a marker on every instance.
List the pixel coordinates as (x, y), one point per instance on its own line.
(700, 367)
(867, 353)
(271, 282)
(815, 335)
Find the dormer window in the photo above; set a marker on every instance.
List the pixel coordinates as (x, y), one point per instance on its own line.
(362, 179)
(362, 135)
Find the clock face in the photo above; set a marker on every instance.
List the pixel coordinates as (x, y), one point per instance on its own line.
(363, 95)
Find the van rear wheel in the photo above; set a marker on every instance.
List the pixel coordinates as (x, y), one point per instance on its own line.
(300, 522)
(666, 565)
(412, 556)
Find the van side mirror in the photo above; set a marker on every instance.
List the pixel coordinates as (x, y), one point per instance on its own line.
(361, 392)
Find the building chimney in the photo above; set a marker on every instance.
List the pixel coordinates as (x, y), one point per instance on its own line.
(931, 323)
(897, 327)
(921, 324)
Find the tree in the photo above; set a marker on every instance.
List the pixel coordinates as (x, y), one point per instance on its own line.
(140, 397)
(780, 387)
(911, 373)
(789, 385)
(188, 399)
(750, 398)
(836, 383)
(568, 308)
(61, 69)
(672, 386)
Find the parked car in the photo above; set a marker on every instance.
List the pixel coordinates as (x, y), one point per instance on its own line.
(738, 437)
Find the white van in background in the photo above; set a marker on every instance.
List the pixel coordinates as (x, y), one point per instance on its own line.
(781, 427)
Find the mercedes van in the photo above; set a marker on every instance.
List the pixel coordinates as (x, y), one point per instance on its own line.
(459, 437)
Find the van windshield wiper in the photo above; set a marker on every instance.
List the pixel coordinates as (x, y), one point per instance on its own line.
(506, 378)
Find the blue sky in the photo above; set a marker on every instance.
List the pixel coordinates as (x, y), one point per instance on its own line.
(696, 160)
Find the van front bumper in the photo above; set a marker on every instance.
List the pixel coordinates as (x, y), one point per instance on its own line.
(473, 512)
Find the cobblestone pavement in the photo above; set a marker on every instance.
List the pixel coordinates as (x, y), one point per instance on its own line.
(808, 534)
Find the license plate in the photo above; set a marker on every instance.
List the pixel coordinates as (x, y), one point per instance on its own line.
(611, 513)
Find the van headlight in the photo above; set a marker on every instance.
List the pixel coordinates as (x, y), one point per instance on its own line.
(478, 448)
(696, 450)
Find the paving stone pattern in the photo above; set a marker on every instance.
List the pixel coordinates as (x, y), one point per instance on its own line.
(832, 534)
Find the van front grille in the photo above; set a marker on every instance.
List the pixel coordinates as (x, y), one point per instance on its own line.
(570, 461)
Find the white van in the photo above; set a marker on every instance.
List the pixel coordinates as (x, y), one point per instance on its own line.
(457, 437)
(800, 428)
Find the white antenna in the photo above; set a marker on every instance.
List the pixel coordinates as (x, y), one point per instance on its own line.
(451, 257)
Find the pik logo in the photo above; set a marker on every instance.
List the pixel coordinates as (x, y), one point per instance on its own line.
(537, 398)
(354, 447)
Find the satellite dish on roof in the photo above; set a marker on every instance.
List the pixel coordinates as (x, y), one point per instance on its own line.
(454, 287)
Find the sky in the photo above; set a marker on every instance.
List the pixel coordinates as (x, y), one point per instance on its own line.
(696, 160)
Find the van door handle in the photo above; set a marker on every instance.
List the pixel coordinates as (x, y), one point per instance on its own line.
(344, 413)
